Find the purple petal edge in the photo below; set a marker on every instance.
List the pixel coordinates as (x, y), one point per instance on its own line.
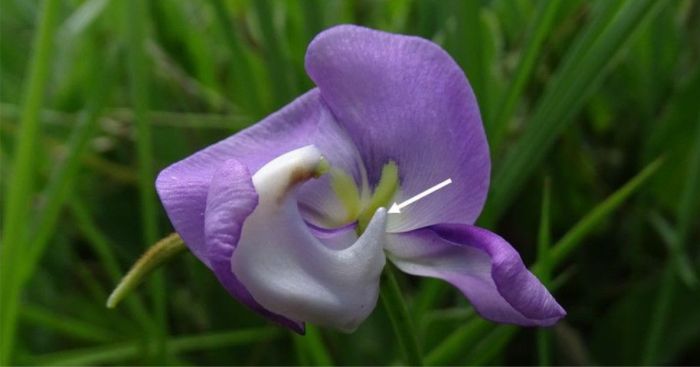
(483, 266)
(514, 281)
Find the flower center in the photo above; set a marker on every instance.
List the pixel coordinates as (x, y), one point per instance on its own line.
(349, 196)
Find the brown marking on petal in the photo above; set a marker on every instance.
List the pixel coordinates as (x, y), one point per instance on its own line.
(298, 175)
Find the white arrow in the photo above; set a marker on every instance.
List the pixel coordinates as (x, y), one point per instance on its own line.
(396, 208)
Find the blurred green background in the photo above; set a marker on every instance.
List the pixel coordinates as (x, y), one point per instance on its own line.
(592, 109)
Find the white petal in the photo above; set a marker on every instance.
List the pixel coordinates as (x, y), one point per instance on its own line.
(291, 272)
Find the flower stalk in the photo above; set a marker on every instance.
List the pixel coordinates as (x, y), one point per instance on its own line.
(163, 251)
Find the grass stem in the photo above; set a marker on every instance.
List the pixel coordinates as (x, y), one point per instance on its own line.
(401, 322)
(19, 190)
(135, 18)
(669, 283)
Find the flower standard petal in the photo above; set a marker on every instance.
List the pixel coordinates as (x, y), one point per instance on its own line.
(404, 99)
(483, 266)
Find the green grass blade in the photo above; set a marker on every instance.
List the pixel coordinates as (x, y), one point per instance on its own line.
(275, 58)
(543, 248)
(60, 185)
(659, 316)
(96, 239)
(313, 17)
(401, 322)
(300, 349)
(189, 120)
(243, 81)
(685, 214)
(103, 249)
(574, 237)
(19, 189)
(168, 68)
(81, 19)
(471, 53)
(581, 73)
(428, 295)
(455, 344)
(544, 235)
(544, 347)
(115, 171)
(541, 27)
(491, 345)
(195, 59)
(687, 209)
(456, 314)
(312, 341)
(68, 326)
(110, 353)
(91, 307)
(668, 235)
(121, 352)
(135, 18)
(224, 339)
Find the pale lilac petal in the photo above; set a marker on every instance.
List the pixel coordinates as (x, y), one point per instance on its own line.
(230, 201)
(404, 99)
(483, 266)
(290, 271)
(184, 185)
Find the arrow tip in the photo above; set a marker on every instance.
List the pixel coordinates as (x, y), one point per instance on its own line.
(394, 209)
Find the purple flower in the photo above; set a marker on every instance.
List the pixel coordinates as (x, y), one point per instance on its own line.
(288, 213)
